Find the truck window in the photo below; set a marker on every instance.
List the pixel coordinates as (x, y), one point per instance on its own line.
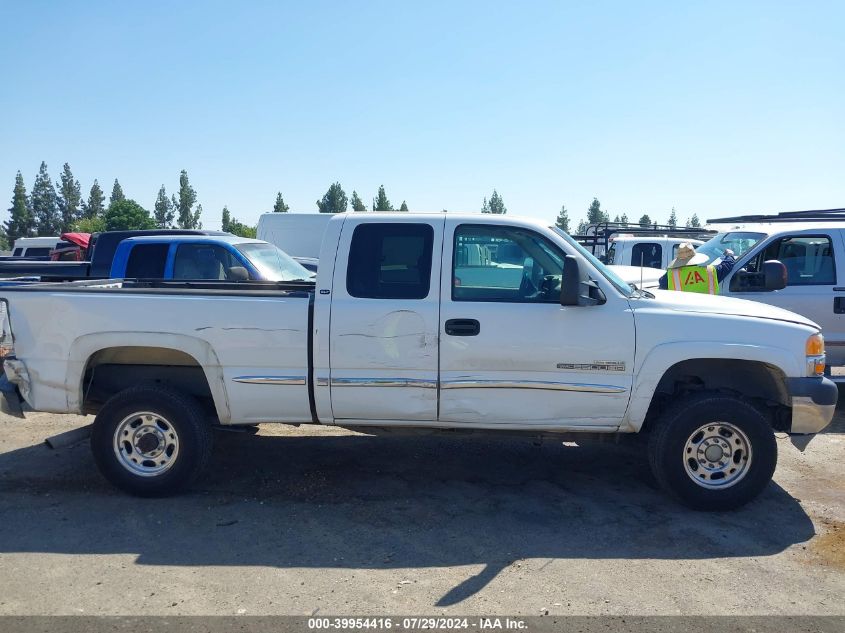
(37, 252)
(390, 261)
(203, 261)
(18, 252)
(146, 261)
(808, 259)
(647, 254)
(506, 264)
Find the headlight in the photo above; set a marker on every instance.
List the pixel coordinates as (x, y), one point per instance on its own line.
(814, 350)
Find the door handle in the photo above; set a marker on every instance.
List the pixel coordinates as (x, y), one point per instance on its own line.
(462, 327)
(839, 305)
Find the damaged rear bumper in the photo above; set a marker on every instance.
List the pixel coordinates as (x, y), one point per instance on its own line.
(14, 387)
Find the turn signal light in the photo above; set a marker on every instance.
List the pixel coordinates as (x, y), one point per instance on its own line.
(815, 345)
(814, 349)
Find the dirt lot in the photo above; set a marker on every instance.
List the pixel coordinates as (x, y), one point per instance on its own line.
(323, 521)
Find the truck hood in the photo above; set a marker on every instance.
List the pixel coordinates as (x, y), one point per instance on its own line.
(708, 304)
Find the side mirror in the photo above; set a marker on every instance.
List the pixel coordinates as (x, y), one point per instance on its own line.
(775, 275)
(238, 273)
(574, 282)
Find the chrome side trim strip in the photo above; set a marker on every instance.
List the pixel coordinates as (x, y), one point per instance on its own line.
(530, 384)
(271, 380)
(384, 382)
(322, 381)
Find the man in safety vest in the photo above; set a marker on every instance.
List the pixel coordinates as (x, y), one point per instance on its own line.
(690, 273)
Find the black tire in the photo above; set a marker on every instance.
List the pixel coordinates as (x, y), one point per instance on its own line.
(179, 415)
(668, 451)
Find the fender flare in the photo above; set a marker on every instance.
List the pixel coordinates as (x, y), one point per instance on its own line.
(663, 357)
(84, 347)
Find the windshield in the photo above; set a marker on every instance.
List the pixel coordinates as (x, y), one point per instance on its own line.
(612, 277)
(273, 263)
(738, 241)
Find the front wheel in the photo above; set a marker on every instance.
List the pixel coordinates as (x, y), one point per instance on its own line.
(713, 452)
(151, 441)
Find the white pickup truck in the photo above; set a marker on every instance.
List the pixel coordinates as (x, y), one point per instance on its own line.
(418, 321)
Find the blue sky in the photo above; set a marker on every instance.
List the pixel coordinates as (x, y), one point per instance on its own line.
(709, 107)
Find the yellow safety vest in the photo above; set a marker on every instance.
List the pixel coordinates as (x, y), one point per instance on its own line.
(694, 279)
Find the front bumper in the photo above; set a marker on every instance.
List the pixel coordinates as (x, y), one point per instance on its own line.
(813, 403)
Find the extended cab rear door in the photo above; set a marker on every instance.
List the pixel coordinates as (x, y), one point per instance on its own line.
(385, 305)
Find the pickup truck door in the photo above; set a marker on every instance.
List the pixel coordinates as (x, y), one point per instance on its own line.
(510, 354)
(385, 305)
(815, 286)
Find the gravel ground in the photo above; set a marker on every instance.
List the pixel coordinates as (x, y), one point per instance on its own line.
(305, 521)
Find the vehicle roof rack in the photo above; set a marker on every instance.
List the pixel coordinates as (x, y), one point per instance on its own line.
(815, 215)
(596, 237)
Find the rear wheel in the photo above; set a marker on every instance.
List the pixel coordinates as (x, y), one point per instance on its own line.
(713, 452)
(151, 441)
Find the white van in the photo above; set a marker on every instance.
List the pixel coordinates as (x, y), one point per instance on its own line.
(645, 250)
(298, 234)
(35, 246)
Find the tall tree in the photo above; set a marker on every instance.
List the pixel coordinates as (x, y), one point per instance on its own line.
(280, 206)
(334, 200)
(95, 207)
(45, 204)
(404, 207)
(380, 202)
(694, 222)
(673, 219)
(624, 218)
(582, 228)
(616, 219)
(494, 205)
(562, 221)
(231, 225)
(163, 212)
(645, 220)
(357, 203)
(116, 193)
(226, 221)
(21, 223)
(595, 215)
(187, 218)
(127, 215)
(70, 199)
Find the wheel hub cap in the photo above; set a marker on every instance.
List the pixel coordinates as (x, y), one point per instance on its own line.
(146, 444)
(717, 455)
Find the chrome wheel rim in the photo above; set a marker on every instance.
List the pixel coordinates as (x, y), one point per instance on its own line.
(146, 444)
(717, 455)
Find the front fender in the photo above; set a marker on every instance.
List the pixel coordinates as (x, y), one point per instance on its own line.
(84, 347)
(662, 357)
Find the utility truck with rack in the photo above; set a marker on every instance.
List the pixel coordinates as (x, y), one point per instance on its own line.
(424, 322)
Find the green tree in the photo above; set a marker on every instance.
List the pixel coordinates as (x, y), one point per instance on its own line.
(334, 200)
(187, 218)
(280, 206)
(494, 205)
(357, 203)
(95, 207)
(70, 199)
(624, 218)
(163, 212)
(90, 225)
(645, 220)
(45, 204)
(126, 215)
(21, 222)
(380, 202)
(694, 222)
(673, 219)
(116, 193)
(594, 213)
(404, 207)
(582, 228)
(562, 221)
(231, 225)
(616, 219)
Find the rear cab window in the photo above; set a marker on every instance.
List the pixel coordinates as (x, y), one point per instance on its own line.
(648, 254)
(147, 261)
(390, 261)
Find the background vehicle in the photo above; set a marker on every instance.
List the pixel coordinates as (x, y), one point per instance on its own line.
(297, 234)
(649, 251)
(599, 239)
(72, 248)
(440, 321)
(34, 246)
(101, 252)
(217, 257)
(811, 244)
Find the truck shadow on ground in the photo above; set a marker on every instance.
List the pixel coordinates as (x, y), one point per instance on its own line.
(394, 502)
